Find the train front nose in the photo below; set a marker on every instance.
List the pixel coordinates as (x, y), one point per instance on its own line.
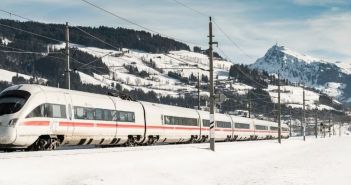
(7, 130)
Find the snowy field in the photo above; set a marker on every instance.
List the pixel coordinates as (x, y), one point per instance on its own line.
(322, 161)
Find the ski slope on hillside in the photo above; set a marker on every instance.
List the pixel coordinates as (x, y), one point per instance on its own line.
(322, 161)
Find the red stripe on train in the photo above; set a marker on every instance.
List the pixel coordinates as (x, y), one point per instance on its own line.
(35, 123)
(106, 125)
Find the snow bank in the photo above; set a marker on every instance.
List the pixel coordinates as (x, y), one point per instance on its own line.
(322, 161)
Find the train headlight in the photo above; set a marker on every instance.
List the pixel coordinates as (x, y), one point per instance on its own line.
(12, 123)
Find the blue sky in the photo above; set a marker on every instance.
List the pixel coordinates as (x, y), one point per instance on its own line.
(321, 28)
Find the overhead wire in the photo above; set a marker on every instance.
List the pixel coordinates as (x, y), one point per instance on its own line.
(217, 25)
(133, 23)
(85, 32)
(46, 37)
(10, 13)
(191, 8)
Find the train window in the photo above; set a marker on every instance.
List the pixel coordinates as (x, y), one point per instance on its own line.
(107, 115)
(285, 129)
(39, 111)
(56, 111)
(167, 120)
(171, 120)
(125, 116)
(206, 123)
(12, 101)
(99, 114)
(48, 110)
(79, 113)
(90, 113)
(273, 128)
(242, 125)
(261, 127)
(223, 124)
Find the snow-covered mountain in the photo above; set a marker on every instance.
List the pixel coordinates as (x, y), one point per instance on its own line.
(331, 78)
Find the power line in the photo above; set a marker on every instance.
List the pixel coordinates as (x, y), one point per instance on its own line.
(188, 63)
(10, 13)
(217, 25)
(78, 28)
(29, 32)
(50, 38)
(190, 8)
(24, 52)
(225, 34)
(232, 41)
(260, 85)
(132, 22)
(97, 38)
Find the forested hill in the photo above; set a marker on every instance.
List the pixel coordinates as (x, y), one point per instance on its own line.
(119, 37)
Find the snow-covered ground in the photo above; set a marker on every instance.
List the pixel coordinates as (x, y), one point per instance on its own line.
(7, 76)
(322, 161)
(293, 97)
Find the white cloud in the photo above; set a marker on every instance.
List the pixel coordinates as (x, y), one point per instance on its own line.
(319, 2)
(328, 32)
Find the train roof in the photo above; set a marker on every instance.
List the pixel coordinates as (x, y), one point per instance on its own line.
(35, 88)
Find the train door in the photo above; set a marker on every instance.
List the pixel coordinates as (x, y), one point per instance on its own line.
(200, 126)
(70, 127)
(114, 116)
(233, 127)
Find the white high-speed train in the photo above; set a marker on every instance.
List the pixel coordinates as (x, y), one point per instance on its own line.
(35, 117)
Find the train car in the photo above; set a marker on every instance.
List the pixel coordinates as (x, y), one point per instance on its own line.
(285, 131)
(243, 128)
(37, 117)
(171, 124)
(273, 129)
(261, 129)
(223, 127)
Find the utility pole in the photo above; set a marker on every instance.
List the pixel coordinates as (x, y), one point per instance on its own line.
(249, 98)
(212, 97)
(68, 70)
(329, 128)
(198, 91)
(290, 122)
(324, 125)
(303, 114)
(315, 123)
(279, 113)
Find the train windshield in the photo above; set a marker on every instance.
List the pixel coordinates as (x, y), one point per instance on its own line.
(12, 101)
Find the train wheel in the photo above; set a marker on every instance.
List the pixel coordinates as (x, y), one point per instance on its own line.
(44, 143)
(130, 141)
(150, 140)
